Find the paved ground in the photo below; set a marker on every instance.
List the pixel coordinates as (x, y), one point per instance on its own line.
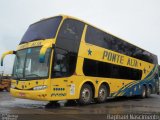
(28, 109)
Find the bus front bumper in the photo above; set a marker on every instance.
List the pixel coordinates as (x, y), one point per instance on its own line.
(33, 95)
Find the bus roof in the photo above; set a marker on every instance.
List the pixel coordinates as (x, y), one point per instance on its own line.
(67, 16)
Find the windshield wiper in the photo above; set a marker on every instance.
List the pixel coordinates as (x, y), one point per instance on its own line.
(32, 75)
(17, 75)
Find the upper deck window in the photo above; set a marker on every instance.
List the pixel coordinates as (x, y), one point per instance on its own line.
(99, 38)
(69, 36)
(44, 29)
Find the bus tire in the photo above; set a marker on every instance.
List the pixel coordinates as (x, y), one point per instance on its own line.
(144, 92)
(149, 91)
(86, 95)
(102, 94)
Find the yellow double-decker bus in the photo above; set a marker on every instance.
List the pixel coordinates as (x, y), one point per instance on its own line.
(64, 58)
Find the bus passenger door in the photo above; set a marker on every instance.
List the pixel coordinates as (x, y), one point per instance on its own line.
(59, 74)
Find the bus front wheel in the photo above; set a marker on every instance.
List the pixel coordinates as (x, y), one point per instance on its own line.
(86, 95)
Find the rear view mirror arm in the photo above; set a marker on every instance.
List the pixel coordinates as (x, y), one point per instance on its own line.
(5, 54)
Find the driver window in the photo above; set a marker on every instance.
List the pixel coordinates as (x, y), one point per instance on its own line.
(60, 67)
(60, 64)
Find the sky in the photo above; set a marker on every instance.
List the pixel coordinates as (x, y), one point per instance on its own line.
(137, 21)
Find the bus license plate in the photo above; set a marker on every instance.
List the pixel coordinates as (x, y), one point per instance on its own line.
(22, 94)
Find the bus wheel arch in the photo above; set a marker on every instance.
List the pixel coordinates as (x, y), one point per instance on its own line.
(86, 88)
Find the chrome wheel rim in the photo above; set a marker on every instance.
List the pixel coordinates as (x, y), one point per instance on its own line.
(86, 95)
(144, 93)
(102, 94)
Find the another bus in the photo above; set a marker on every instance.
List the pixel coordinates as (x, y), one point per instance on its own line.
(5, 82)
(64, 58)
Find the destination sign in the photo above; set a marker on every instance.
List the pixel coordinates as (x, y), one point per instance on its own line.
(31, 44)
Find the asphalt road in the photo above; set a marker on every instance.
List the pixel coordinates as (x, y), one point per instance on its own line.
(21, 109)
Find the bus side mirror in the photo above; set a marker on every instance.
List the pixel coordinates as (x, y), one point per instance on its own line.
(6, 53)
(43, 51)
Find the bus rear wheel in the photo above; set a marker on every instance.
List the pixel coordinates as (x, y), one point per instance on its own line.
(144, 92)
(149, 91)
(102, 94)
(86, 95)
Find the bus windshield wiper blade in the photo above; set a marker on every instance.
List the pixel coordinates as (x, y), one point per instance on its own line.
(17, 76)
(32, 75)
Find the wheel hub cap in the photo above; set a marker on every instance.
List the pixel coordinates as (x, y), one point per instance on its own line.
(86, 95)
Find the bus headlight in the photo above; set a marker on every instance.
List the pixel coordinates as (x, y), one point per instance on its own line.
(40, 87)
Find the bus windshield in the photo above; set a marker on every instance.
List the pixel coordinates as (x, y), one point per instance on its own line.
(44, 29)
(27, 65)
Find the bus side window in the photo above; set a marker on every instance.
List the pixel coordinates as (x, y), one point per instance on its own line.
(96, 37)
